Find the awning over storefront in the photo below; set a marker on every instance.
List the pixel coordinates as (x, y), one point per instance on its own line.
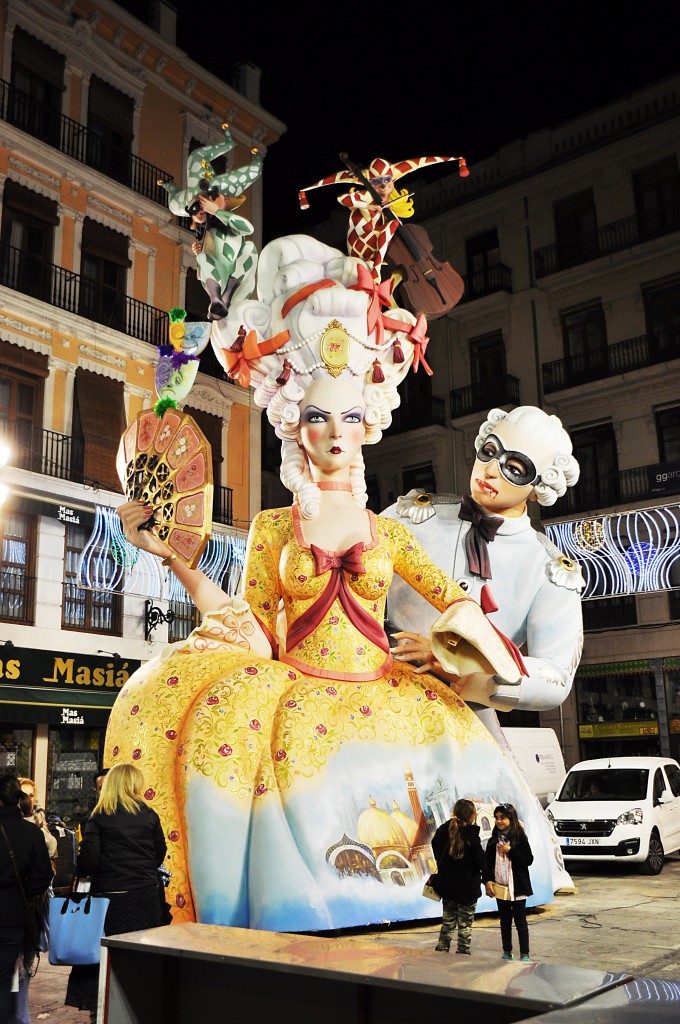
(59, 688)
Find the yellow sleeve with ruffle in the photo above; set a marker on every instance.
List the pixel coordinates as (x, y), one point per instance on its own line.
(417, 569)
(261, 582)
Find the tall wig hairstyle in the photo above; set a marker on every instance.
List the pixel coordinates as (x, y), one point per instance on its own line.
(515, 832)
(280, 342)
(122, 790)
(464, 813)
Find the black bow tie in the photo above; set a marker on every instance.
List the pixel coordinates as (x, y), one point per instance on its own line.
(481, 533)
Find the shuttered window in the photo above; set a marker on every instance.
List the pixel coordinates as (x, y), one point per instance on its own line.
(99, 420)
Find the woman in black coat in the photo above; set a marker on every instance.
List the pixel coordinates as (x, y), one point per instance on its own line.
(123, 846)
(30, 859)
(508, 856)
(460, 858)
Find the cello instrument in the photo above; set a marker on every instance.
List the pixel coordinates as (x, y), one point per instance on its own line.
(427, 286)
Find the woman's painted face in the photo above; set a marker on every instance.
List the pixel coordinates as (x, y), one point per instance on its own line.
(332, 428)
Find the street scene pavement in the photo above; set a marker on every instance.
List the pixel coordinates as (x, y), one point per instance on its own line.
(618, 920)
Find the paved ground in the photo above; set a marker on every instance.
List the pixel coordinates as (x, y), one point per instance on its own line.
(618, 920)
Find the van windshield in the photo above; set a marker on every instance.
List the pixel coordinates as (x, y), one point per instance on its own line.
(606, 784)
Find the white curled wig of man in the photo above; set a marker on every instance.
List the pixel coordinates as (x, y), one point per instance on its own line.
(540, 438)
(317, 312)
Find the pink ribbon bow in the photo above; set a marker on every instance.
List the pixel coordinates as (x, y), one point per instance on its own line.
(380, 295)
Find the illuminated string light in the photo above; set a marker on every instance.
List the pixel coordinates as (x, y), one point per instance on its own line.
(623, 552)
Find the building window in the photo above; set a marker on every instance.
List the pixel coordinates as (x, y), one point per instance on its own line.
(37, 87)
(657, 197)
(75, 755)
(195, 298)
(421, 477)
(668, 433)
(627, 702)
(103, 275)
(487, 357)
(662, 309)
(26, 239)
(482, 254)
(598, 484)
(94, 611)
(186, 618)
(17, 568)
(576, 228)
(584, 333)
(97, 436)
(109, 130)
(22, 375)
(609, 612)
(16, 751)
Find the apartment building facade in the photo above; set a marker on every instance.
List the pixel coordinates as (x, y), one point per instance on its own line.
(569, 242)
(97, 108)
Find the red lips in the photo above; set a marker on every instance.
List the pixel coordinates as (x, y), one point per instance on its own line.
(336, 451)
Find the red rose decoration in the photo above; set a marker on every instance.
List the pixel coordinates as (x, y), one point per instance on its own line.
(291, 675)
(225, 750)
(261, 789)
(213, 699)
(392, 681)
(381, 583)
(252, 583)
(360, 650)
(324, 652)
(280, 755)
(291, 703)
(365, 711)
(277, 515)
(173, 836)
(149, 794)
(136, 754)
(431, 695)
(333, 621)
(419, 577)
(436, 590)
(254, 725)
(354, 577)
(134, 710)
(180, 750)
(116, 751)
(251, 670)
(331, 690)
(322, 730)
(259, 547)
(171, 734)
(266, 605)
(172, 681)
(409, 547)
(180, 900)
(302, 579)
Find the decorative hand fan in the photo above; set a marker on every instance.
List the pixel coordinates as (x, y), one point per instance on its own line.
(164, 457)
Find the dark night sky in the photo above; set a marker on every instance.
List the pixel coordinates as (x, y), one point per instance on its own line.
(447, 78)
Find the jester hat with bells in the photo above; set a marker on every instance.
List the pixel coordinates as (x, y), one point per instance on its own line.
(381, 168)
(202, 180)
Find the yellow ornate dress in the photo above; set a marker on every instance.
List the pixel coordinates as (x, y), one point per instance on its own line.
(300, 777)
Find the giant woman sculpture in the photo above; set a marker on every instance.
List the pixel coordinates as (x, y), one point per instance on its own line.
(298, 769)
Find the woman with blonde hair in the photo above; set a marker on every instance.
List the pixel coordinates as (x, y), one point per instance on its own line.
(123, 846)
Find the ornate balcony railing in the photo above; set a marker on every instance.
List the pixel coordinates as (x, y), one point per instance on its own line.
(605, 490)
(81, 143)
(610, 238)
(31, 275)
(484, 282)
(611, 360)
(413, 417)
(485, 395)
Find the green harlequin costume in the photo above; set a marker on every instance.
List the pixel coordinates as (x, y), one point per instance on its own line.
(227, 261)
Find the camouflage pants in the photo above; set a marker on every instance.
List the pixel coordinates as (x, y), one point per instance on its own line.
(457, 914)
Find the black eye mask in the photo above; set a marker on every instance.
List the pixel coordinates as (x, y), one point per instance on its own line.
(493, 449)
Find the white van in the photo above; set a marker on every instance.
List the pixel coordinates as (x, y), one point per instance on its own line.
(538, 753)
(619, 809)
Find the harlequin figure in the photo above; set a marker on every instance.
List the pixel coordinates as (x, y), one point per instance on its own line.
(287, 739)
(370, 229)
(225, 259)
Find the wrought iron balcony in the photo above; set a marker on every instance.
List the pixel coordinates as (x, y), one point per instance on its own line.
(413, 417)
(17, 595)
(485, 395)
(81, 143)
(611, 360)
(610, 238)
(485, 282)
(605, 490)
(31, 275)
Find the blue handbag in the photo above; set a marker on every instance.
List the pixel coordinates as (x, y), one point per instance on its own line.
(76, 926)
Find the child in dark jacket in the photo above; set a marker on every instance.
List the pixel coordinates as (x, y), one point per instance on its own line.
(508, 856)
(460, 859)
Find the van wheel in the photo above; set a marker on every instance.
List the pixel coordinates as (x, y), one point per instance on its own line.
(654, 862)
